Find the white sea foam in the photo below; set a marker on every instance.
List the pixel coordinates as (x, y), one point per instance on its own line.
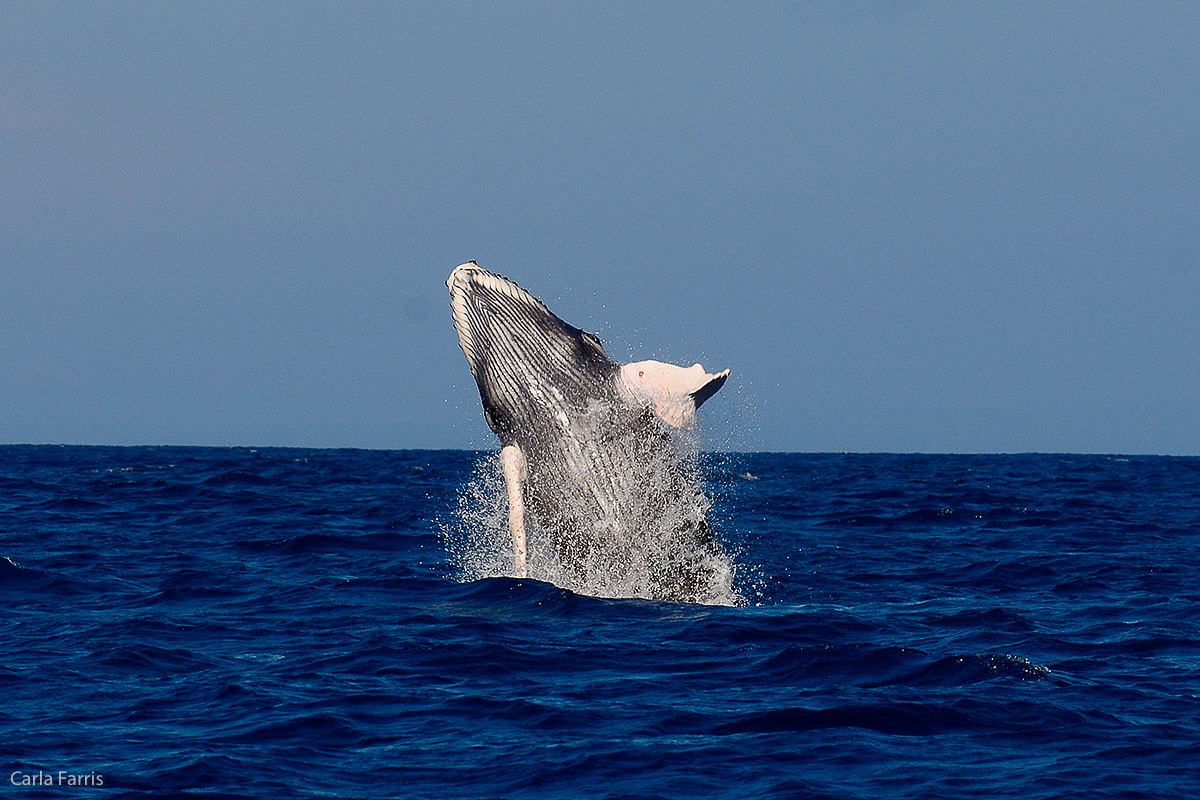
(643, 554)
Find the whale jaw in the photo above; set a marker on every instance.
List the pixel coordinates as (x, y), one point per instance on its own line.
(530, 366)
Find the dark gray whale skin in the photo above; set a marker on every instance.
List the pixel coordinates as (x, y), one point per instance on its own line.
(601, 469)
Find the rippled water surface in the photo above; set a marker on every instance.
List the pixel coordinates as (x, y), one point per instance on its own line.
(298, 623)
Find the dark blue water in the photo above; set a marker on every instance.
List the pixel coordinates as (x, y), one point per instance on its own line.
(289, 623)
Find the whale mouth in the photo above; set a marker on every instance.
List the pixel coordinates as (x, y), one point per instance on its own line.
(481, 301)
(459, 284)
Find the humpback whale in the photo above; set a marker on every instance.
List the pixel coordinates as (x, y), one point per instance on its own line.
(587, 455)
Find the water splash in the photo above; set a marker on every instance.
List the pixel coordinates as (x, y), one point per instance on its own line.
(655, 546)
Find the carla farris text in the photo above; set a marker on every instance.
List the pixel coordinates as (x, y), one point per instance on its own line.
(60, 778)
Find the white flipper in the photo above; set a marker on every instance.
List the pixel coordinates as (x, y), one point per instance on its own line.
(673, 392)
(512, 460)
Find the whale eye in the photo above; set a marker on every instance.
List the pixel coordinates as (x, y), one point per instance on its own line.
(641, 373)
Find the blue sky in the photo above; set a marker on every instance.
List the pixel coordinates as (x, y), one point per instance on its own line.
(905, 226)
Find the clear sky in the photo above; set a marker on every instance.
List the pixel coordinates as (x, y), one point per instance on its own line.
(905, 226)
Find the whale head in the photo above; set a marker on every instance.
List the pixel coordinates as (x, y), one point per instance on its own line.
(529, 364)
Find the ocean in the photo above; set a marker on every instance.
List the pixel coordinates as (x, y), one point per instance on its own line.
(274, 622)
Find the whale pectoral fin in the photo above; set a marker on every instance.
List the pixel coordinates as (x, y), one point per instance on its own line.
(673, 392)
(709, 388)
(512, 461)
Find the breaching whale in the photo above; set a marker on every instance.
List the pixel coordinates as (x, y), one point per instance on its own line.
(588, 460)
